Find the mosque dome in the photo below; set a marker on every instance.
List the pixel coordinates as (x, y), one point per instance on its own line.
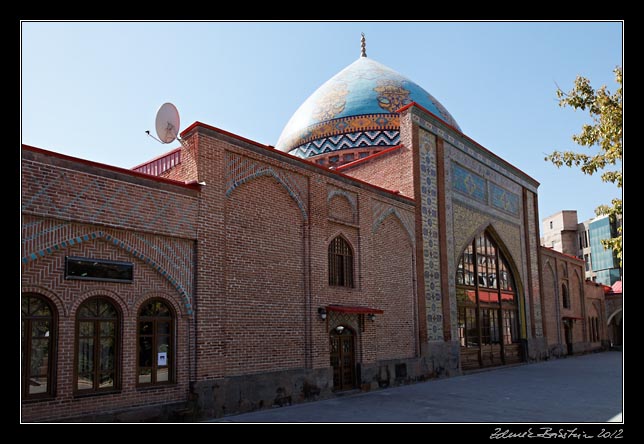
(355, 112)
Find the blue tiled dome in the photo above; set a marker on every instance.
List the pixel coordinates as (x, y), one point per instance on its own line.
(355, 108)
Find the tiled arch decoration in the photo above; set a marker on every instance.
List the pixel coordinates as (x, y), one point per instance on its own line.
(381, 212)
(181, 287)
(350, 198)
(241, 169)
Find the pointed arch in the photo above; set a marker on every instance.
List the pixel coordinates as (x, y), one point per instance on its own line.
(489, 303)
(347, 196)
(269, 172)
(392, 211)
(117, 242)
(341, 262)
(617, 314)
(565, 295)
(488, 228)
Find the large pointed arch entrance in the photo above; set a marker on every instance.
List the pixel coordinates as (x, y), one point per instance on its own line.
(488, 306)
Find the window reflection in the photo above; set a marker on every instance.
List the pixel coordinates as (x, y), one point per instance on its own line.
(37, 346)
(96, 346)
(156, 355)
(486, 296)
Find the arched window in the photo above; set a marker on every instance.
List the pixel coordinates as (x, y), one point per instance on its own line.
(97, 342)
(565, 297)
(340, 263)
(155, 364)
(38, 342)
(486, 295)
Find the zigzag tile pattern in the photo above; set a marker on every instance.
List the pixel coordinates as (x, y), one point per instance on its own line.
(347, 141)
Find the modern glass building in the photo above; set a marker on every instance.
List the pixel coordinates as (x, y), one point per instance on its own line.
(604, 263)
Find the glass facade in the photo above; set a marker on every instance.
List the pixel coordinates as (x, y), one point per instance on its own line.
(486, 293)
(604, 263)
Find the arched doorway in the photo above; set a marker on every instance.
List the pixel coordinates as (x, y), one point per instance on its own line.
(568, 336)
(488, 306)
(342, 342)
(615, 329)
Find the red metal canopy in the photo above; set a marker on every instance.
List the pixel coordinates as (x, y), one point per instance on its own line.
(572, 318)
(353, 309)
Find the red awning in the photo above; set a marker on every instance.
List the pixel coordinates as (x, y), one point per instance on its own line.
(571, 318)
(353, 309)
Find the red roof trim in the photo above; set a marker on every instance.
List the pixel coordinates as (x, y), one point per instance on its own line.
(563, 254)
(104, 166)
(160, 156)
(364, 159)
(281, 153)
(406, 107)
(409, 105)
(353, 309)
(221, 131)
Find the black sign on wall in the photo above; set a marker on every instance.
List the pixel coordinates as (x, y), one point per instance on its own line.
(98, 269)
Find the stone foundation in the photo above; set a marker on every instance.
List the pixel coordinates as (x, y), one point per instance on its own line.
(537, 349)
(240, 394)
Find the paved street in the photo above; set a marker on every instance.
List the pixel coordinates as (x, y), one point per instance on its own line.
(578, 389)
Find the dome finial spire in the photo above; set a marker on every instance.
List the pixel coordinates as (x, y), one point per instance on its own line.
(363, 46)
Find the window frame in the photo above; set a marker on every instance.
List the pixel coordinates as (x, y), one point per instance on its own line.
(482, 256)
(26, 346)
(565, 296)
(116, 387)
(69, 260)
(341, 265)
(171, 355)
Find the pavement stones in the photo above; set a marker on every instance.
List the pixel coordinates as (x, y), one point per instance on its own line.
(577, 389)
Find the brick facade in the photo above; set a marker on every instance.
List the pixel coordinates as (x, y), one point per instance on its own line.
(562, 273)
(235, 238)
(73, 208)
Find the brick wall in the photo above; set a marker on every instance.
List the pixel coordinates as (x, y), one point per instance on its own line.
(552, 301)
(72, 207)
(243, 258)
(45, 276)
(391, 280)
(71, 189)
(586, 300)
(266, 222)
(264, 279)
(391, 170)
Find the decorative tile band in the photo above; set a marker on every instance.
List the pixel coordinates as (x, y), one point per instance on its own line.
(431, 252)
(468, 183)
(448, 137)
(342, 125)
(89, 237)
(347, 141)
(504, 199)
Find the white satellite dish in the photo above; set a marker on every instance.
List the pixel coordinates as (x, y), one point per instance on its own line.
(167, 123)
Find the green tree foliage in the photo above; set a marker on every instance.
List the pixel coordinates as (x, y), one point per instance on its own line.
(605, 133)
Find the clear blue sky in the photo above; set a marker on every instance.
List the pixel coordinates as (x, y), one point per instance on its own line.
(91, 89)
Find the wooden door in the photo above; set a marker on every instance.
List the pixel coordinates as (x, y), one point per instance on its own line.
(343, 359)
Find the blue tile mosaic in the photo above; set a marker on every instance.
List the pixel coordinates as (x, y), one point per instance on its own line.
(504, 199)
(468, 183)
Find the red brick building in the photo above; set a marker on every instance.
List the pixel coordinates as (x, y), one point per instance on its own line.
(376, 245)
(575, 307)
